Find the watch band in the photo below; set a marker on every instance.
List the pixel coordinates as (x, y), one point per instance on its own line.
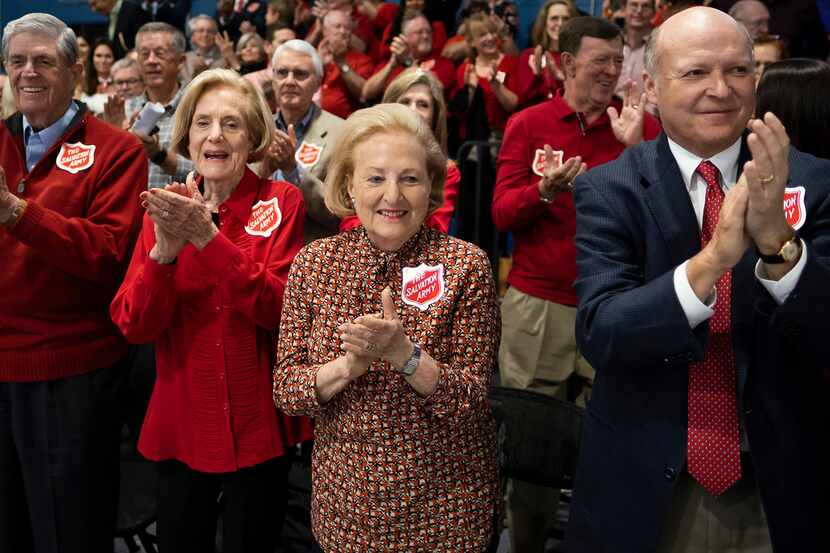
(411, 364)
(788, 252)
(159, 157)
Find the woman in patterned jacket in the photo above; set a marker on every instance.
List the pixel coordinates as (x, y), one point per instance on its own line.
(388, 337)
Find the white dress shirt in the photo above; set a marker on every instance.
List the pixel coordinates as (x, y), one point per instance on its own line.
(727, 163)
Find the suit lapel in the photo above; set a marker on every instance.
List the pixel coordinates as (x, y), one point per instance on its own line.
(668, 199)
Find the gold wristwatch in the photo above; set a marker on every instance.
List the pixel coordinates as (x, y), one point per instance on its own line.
(789, 251)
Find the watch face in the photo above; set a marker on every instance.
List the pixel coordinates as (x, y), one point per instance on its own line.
(790, 250)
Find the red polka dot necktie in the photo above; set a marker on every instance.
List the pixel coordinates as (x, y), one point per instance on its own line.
(713, 440)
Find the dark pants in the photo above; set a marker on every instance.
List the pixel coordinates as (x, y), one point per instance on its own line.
(59, 458)
(252, 507)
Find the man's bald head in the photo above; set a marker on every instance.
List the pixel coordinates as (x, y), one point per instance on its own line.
(701, 76)
(753, 14)
(695, 21)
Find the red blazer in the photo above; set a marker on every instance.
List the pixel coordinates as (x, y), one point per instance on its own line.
(213, 316)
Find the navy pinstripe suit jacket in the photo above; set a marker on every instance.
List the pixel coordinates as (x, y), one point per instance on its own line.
(635, 225)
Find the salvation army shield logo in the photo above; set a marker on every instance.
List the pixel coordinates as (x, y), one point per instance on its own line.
(422, 285)
(265, 217)
(539, 160)
(308, 154)
(76, 157)
(794, 207)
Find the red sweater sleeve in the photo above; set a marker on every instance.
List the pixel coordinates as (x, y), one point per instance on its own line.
(516, 200)
(95, 247)
(255, 288)
(146, 301)
(442, 217)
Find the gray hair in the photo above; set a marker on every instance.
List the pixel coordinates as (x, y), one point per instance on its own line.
(177, 40)
(249, 37)
(410, 17)
(300, 47)
(123, 63)
(43, 24)
(651, 59)
(202, 17)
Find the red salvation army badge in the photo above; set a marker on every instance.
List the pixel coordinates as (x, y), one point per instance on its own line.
(794, 206)
(539, 160)
(308, 154)
(76, 157)
(422, 285)
(265, 217)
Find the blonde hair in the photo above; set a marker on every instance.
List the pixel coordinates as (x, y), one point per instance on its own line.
(255, 111)
(415, 76)
(361, 126)
(539, 33)
(475, 24)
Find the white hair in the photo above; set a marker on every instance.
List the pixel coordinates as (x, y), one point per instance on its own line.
(43, 24)
(300, 47)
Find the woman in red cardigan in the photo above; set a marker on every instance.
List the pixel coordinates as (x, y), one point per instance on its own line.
(205, 284)
(421, 91)
(539, 75)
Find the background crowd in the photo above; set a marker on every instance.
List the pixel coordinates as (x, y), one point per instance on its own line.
(263, 133)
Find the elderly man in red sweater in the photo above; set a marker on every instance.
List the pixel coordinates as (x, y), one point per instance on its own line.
(69, 213)
(545, 147)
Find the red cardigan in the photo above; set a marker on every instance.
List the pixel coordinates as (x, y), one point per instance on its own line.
(441, 217)
(213, 316)
(496, 115)
(544, 255)
(65, 257)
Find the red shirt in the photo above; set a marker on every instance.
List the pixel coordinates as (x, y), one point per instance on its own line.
(441, 217)
(439, 65)
(439, 39)
(213, 316)
(496, 115)
(533, 89)
(544, 255)
(334, 94)
(65, 257)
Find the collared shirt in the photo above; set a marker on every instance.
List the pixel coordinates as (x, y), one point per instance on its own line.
(632, 67)
(299, 131)
(37, 143)
(727, 163)
(158, 177)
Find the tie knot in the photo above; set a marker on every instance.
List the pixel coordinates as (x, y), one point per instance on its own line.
(709, 172)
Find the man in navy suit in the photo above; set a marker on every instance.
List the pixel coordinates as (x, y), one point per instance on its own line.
(703, 265)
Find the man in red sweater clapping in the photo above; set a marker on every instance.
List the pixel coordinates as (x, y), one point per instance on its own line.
(545, 147)
(69, 213)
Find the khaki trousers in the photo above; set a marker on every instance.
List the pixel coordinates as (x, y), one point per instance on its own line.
(538, 353)
(733, 522)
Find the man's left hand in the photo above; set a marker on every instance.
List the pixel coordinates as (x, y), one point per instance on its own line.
(150, 143)
(8, 201)
(766, 177)
(628, 124)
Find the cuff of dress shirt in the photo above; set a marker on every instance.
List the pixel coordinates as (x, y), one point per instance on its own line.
(780, 289)
(695, 310)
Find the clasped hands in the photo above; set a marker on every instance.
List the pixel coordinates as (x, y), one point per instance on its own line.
(180, 215)
(377, 336)
(280, 154)
(752, 210)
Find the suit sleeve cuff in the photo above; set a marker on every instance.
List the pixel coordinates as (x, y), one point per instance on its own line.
(780, 289)
(695, 310)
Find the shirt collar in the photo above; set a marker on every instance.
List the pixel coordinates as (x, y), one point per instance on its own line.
(302, 125)
(53, 132)
(726, 162)
(563, 111)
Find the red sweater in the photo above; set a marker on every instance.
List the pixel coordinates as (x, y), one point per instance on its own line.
(441, 217)
(544, 255)
(439, 65)
(496, 115)
(534, 89)
(213, 316)
(334, 93)
(66, 256)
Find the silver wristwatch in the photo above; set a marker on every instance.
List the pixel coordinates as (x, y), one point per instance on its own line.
(411, 364)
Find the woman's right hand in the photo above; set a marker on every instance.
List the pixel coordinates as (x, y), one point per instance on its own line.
(167, 246)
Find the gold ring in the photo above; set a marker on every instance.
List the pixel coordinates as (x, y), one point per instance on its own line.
(165, 214)
(767, 180)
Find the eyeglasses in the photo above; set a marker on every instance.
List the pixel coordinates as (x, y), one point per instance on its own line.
(127, 82)
(299, 74)
(160, 53)
(206, 31)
